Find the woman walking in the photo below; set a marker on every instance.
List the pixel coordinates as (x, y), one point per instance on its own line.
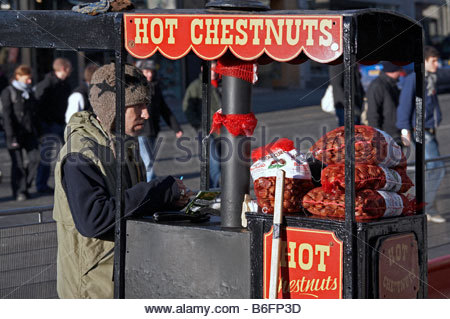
(19, 112)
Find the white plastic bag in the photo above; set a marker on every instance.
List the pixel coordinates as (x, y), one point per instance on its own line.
(327, 102)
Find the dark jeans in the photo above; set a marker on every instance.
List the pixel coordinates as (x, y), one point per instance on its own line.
(434, 173)
(340, 114)
(51, 142)
(214, 158)
(214, 162)
(434, 170)
(147, 151)
(22, 176)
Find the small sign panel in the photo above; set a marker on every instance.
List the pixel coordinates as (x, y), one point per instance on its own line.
(281, 37)
(398, 267)
(310, 264)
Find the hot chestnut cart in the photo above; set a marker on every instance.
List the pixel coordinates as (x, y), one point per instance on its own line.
(322, 258)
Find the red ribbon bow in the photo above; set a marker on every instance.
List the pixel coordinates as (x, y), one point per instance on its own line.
(236, 124)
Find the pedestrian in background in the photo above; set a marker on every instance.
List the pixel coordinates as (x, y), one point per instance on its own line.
(52, 93)
(3, 84)
(79, 99)
(19, 111)
(382, 99)
(192, 108)
(157, 109)
(337, 82)
(406, 118)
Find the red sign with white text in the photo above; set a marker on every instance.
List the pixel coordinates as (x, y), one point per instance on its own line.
(281, 37)
(310, 264)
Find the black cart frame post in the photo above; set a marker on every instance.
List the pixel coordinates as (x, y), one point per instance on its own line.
(420, 147)
(350, 288)
(206, 115)
(120, 227)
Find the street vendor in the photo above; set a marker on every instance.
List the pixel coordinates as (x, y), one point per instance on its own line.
(85, 185)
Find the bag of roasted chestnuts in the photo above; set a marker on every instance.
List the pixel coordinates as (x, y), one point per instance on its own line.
(266, 161)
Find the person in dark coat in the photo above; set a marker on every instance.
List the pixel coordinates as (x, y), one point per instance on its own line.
(3, 84)
(19, 110)
(337, 82)
(52, 93)
(192, 108)
(3, 80)
(382, 99)
(79, 99)
(157, 109)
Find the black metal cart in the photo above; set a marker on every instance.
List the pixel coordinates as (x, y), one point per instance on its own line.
(218, 258)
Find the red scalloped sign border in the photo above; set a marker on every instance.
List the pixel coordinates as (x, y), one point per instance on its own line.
(281, 37)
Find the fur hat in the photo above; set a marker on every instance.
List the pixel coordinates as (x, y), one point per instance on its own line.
(102, 92)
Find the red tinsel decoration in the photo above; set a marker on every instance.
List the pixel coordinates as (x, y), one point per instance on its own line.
(236, 124)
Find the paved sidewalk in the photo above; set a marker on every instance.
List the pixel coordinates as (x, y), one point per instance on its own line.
(281, 113)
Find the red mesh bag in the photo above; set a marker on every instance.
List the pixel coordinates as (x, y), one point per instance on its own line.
(372, 146)
(267, 160)
(369, 204)
(229, 65)
(294, 190)
(366, 176)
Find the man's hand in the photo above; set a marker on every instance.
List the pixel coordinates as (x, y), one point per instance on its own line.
(179, 134)
(406, 137)
(185, 194)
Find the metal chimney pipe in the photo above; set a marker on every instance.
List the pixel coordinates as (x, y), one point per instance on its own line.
(235, 152)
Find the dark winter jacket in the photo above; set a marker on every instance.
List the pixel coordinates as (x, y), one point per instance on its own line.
(52, 94)
(19, 117)
(158, 108)
(192, 102)
(83, 89)
(406, 111)
(3, 81)
(3, 84)
(337, 82)
(382, 98)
